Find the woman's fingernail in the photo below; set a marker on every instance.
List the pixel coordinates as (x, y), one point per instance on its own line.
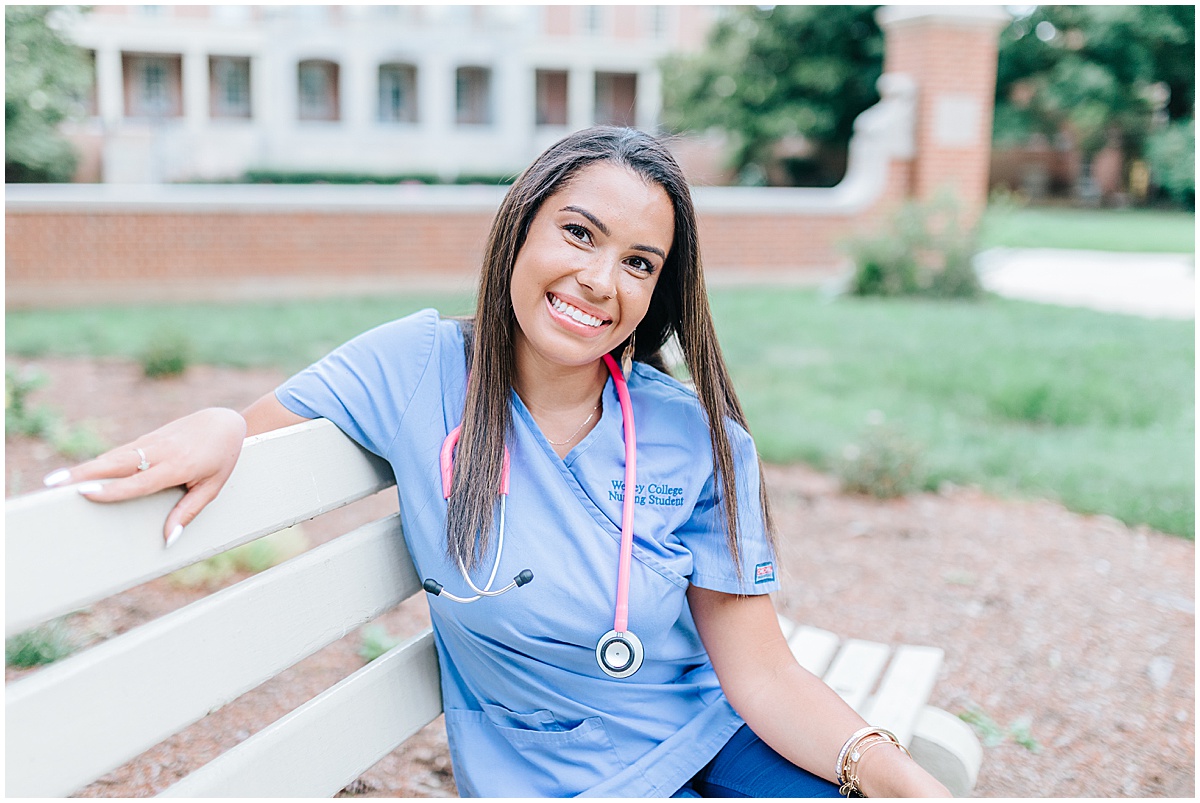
(56, 477)
(174, 536)
(90, 487)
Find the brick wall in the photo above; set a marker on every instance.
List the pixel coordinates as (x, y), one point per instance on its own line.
(80, 256)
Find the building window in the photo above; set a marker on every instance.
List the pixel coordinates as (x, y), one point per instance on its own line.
(318, 90)
(658, 22)
(153, 86)
(593, 20)
(229, 86)
(397, 93)
(88, 100)
(551, 94)
(616, 98)
(473, 96)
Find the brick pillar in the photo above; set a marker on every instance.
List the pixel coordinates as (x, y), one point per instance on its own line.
(950, 53)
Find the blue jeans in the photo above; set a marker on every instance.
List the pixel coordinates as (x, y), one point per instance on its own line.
(746, 767)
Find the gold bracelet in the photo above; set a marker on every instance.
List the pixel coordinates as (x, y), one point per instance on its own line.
(853, 751)
(854, 739)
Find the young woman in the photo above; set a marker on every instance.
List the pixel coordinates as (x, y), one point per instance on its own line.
(635, 651)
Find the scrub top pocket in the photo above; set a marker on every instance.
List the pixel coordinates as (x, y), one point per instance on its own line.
(530, 753)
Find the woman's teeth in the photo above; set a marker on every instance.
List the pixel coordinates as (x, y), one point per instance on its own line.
(572, 312)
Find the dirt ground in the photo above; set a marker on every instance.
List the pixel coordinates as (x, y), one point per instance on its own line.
(1070, 638)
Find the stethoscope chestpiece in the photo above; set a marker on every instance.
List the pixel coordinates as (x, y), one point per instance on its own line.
(619, 654)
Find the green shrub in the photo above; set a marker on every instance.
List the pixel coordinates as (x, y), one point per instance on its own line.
(256, 556)
(376, 640)
(1171, 154)
(330, 177)
(168, 357)
(78, 443)
(44, 644)
(333, 177)
(19, 417)
(991, 733)
(884, 464)
(922, 250)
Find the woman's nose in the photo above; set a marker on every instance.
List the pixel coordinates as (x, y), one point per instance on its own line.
(599, 276)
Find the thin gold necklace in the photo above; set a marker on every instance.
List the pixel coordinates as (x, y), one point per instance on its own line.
(576, 432)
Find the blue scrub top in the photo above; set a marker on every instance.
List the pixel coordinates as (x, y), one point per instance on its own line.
(528, 710)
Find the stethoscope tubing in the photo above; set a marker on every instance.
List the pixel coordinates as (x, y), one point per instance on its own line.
(447, 467)
(486, 591)
(621, 617)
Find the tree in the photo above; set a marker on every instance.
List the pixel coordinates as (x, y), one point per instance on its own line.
(1096, 72)
(45, 81)
(772, 75)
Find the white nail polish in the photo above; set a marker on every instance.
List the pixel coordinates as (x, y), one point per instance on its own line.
(56, 477)
(90, 487)
(174, 536)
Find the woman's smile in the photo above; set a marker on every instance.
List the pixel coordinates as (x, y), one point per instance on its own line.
(577, 316)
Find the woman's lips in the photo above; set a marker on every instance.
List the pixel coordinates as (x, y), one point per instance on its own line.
(575, 319)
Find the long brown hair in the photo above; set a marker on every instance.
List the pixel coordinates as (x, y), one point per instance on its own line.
(678, 307)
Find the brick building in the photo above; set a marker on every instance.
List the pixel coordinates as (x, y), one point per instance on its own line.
(931, 132)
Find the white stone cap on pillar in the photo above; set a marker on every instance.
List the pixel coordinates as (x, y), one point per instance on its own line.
(890, 125)
(965, 16)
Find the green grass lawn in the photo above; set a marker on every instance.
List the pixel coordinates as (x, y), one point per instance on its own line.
(1128, 230)
(286, 334)
(1092, 409)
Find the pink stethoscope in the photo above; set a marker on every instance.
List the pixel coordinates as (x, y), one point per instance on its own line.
(619, 652)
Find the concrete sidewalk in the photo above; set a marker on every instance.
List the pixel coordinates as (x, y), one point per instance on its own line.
(1151, 285)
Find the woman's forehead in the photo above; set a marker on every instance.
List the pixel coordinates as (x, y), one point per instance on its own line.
(616, 195)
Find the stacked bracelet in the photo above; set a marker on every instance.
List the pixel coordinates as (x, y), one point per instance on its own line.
(852, 752)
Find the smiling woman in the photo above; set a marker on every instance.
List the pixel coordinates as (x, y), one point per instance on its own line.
(523, 415)
(580, 285)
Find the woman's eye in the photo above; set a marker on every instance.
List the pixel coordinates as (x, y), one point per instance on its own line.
(578, 232)
(640, 265)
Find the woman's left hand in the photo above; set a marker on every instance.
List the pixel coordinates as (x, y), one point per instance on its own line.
(788, 707)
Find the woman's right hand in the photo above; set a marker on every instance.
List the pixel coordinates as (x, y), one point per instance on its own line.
(198, 451)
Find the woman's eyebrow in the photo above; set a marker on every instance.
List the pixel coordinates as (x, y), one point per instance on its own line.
(595, 220)
(650, 249)
(604, 229)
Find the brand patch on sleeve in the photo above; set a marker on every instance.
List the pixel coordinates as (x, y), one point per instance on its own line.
(764, 573)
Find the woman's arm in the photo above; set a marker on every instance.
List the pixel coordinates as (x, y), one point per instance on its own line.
(788, 707)
(198, 451)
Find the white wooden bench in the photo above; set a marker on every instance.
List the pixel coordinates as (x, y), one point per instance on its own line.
(74, 721)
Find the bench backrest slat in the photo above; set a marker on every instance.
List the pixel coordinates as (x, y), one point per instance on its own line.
(332, 739)
(90, 713)
(63, 552)
(814, 648)
(856, 669)
(904, 689)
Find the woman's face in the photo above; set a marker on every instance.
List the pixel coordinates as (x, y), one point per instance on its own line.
(584, 277)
